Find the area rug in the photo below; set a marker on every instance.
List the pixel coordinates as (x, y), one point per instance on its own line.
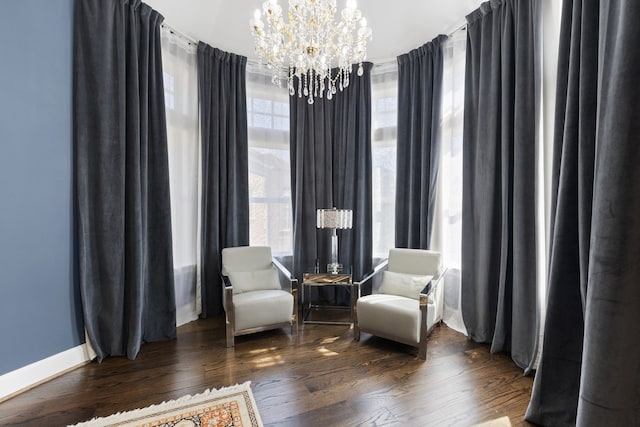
(225, 407)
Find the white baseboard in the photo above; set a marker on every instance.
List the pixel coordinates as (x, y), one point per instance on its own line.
(23, 379)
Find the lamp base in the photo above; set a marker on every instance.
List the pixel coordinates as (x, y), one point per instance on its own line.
(334, 268)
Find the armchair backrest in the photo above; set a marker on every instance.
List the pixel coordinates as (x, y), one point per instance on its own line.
(250, 268)
(246, 259)
(414, 261)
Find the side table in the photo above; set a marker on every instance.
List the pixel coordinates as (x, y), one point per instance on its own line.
(317, 280)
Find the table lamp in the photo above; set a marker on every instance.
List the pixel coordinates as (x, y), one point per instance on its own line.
(334, 219)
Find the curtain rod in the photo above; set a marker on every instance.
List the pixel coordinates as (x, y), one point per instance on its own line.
(180, 34)
(460, 28)
(257, 63)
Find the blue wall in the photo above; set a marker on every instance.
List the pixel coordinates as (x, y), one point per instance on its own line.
(40, 311)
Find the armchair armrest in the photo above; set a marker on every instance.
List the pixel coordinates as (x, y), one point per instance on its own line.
(357, 293)
(284, 270)
(433, 284)
(369, 277)
(227, 301)
(427, 291)
(438, 277)
(293, 288)
(425, 295)
(293, 282)
(225, 281)
(227, 288)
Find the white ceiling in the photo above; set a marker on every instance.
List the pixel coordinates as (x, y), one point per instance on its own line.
(398, 26)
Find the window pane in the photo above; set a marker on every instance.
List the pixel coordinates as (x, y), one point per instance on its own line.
(270, 199)
(262, 121)
(169, 85)
(387, 119)
(261, 105)
(281, 123)
(168, 81)
(281, 108)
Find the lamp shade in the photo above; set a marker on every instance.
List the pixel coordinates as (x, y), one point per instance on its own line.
(335, 218)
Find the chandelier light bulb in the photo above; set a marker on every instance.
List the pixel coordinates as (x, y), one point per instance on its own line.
(311, 51)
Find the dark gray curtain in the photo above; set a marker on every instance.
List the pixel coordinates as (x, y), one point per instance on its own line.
(225, 178)
(590, 365)
(122, 177)
(311, 179)
(418, 155)
(555, 395)
(331, 166)
(499, 293)
(352, 169)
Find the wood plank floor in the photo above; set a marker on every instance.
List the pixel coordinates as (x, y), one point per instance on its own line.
(321, 377)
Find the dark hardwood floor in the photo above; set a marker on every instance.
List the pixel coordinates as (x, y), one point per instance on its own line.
(321, 377)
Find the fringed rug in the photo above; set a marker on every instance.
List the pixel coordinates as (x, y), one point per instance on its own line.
(226, 407)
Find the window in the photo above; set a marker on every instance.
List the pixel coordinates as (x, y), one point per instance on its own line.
(384, 124)
(447, 230)
(270, 212)
(268, 114)
(449, 202)
(181, 102)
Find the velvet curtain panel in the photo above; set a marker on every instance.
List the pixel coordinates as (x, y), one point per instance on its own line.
(311, 179)
(122, 177)
(418, 155)
(352, 169)
(225, 187)
(499, 289)
(590, 365)
(331, 166)
(557, 382)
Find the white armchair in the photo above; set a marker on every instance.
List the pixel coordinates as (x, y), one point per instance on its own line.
(259, 293)
(408, 302)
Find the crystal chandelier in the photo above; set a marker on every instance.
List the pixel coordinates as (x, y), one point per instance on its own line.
(310, 44)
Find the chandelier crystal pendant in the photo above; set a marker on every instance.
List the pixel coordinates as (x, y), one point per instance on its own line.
(310, 44)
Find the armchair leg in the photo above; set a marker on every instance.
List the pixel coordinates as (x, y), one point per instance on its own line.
(422, 350)
(424, 332)
(230, 337)
(229, 316)
(294, 314)
(356, 332)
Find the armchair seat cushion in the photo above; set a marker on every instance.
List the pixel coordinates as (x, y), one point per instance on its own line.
(260, 308)
(393, 316)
